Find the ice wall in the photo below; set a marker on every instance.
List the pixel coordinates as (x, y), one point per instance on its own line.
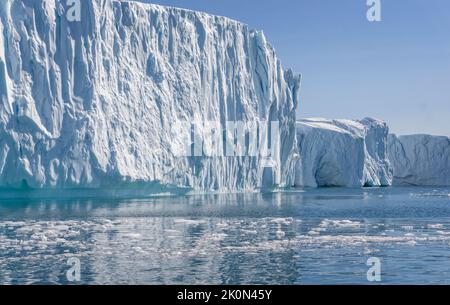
(342, 153)
(421, 160)
(101, 101)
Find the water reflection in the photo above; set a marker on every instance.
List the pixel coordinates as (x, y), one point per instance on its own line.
(313, 236)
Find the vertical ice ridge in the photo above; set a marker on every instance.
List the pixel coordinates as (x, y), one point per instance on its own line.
(98, 101)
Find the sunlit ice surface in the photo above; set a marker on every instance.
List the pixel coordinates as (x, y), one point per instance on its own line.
(309, 236)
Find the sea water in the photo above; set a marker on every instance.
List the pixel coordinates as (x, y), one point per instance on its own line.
(309, 236)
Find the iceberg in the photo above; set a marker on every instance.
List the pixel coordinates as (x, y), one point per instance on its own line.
(420, 160)
(103, 101)
(342, 153)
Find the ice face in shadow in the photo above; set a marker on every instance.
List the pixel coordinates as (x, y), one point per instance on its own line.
(422, 160)
(342, 153)
(100, 101)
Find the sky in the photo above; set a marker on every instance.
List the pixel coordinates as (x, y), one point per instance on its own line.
(397, 69)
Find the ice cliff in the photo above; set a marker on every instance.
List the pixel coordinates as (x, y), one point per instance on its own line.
(101, 101)
(342, 153)
(421, 160)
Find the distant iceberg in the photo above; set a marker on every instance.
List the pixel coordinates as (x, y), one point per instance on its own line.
(421, 160)
(102, 101)
(342, 153)
(348, 153)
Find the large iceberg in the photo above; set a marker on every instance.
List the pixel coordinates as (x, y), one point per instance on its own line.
(342, 153)
(422, 160)
(104, 100)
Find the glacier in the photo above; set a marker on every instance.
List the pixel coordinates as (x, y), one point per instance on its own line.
(420, 160)
(101, 102)
(342, 153)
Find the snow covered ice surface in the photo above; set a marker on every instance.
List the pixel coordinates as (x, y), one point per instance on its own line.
(101, 101)
(342, 153)
(420, 160)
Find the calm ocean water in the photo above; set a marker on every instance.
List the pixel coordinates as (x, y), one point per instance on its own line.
(313, 236)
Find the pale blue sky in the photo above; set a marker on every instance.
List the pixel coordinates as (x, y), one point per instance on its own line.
(397, 70)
